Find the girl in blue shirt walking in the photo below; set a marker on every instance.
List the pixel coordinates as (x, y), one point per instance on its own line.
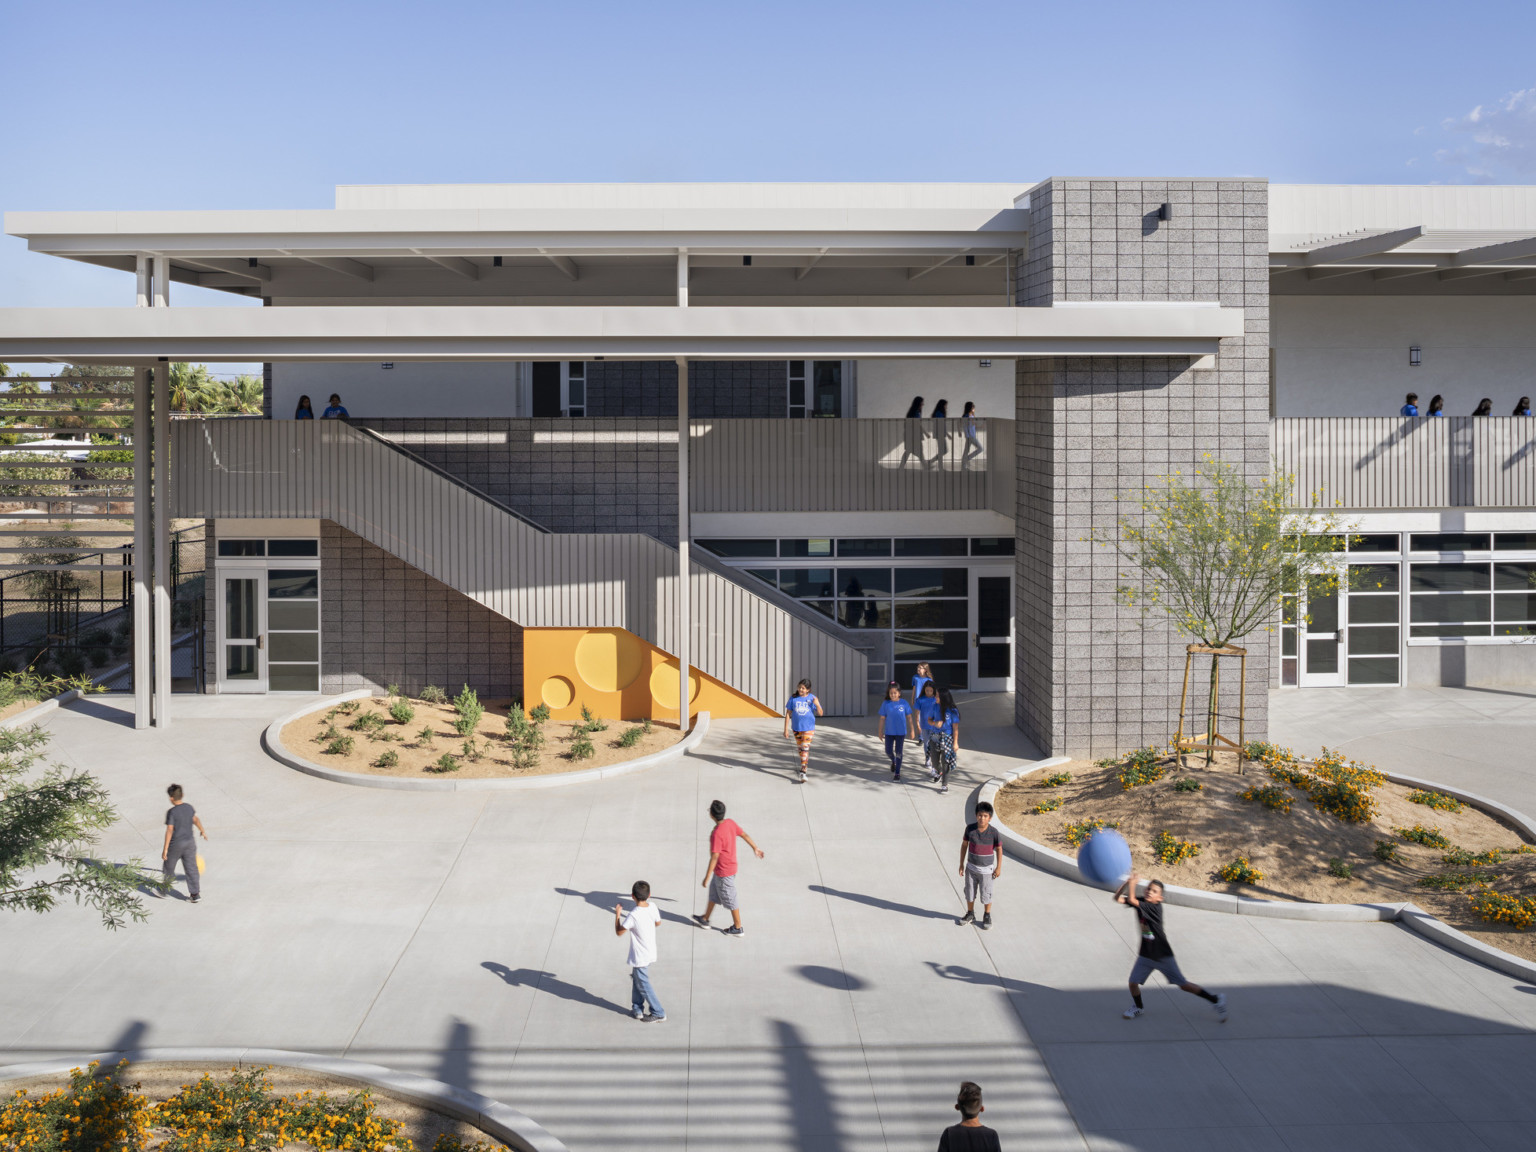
(896, 725)
(800, 714)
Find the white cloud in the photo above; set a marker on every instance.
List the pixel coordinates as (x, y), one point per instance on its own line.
(1496, 141)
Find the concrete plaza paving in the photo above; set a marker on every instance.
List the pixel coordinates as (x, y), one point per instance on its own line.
(469, 937)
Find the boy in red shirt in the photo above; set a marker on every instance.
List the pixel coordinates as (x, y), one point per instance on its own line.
(720, 876)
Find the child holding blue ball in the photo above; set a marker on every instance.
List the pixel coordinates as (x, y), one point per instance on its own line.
(1156, 954)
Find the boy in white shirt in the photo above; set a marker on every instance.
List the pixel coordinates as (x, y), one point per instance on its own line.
(641, 924)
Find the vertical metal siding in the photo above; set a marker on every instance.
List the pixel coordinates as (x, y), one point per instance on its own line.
(324, 469)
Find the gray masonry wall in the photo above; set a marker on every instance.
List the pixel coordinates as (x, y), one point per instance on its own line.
(716, 388)
(1092, 677)
(384, 622)
(579, 476)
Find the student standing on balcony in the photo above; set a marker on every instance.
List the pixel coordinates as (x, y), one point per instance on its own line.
(1436, 406)
(1523, 408)
(912, 435)
(941, 433)
(1484, 407)
(335, 411)
(972, 441)
(304, 411)
(1412, 407)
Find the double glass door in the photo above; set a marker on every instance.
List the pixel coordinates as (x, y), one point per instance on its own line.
(269, 628)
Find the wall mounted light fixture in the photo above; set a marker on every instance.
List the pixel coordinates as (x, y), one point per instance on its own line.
(984, 363)
(1415, 356)
(970, 260)
(746, 261)
(495, 261)
(1165, 211)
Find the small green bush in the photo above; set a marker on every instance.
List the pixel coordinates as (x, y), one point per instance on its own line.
(1142, 766)
(392, 691)
(646, 724)
(326, 734)
(1170, 850)
(1386, 852)
(1428, 837)
(1500, 908)
(347, 707)
(581, 748)
(1078, 832)
(517, 720)
(1239, 872)
(540, 714)
(631, 736)
(1055, 779)
(99, 657)
(1262, 750)
(1274, 798)
(1437, 800)
(425, 736)
(469, 710)
(389, 758)
(590, 723)
(1188, 784)
(401, 712)
(1462, 858)
(1339, 868)
(1455, 881)
(1044, 806)
(444, 763)
(432, 694)
(368, 723)
(341, 746)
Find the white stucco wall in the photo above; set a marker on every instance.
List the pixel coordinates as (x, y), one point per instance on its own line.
(886, 387)
(407, 389)
(1348, 355)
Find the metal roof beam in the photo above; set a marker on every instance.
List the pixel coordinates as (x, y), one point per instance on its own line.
(564, 263)
(458, 266)
(347, 267)
(1495, 253)
(1372, 245)
(802, 273)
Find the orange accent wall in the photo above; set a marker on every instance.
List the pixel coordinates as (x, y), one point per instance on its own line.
(619, 677)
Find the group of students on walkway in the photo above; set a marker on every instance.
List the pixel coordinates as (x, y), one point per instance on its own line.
(1436, 406)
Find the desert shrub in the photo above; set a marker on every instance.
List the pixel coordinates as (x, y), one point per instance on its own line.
(1386, 852)
(97, 636)
(1239, 872)
(1341, 869)
(472, 750)
(72, 663)
(451, 1142)
(1188, 784)
(1077, 832)
(1286, 773)
(326, 734)
(516, 720)
(1047, 805)
(1499, 908)
(368, 723)
(1344, 789)
(525, 737)
(540, 714)
(1274, 798)
(1263, 751)
(631, 736)
(341, 746)
(1107, 762)
(1428, 837)
(425, 736)
(469, 710)
(401, 712)
(432, 694)
(1455, 881)
(444, 763)
(1055, 779)
(1437, 800)
(1141, 767)
(1170, 850)
(581, 748)
(388, 758)
(392, 691)
(590, 723)
(1463, 858)
(90, 1114)
(347, 707)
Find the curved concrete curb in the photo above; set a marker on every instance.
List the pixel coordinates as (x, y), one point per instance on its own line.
(1408, 914)
(38, 711)
(271, 740)
(493, 1118)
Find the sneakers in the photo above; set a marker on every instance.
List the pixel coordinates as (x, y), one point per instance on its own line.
(986, 921)
(700, 920)
(968, 918)
(943, 788)
(802, 776)
(933, 776)
(638, 1015)
(1221, 1007)
(1131, 1013)
(896, 775)
(735, 930)
(194, 899)
(654, 1019)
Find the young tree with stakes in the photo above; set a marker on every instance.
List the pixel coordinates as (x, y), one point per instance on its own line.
(1217, 554)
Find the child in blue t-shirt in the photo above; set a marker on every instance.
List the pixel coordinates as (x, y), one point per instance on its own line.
(930, 719)
(800, 714)
(896, 725)
(949, 737)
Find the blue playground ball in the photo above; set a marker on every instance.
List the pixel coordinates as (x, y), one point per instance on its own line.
(1105, 857)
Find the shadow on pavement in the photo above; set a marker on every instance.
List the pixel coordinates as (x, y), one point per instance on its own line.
(548, 982)
(606, 901)
(455, 1065)
(878, 902)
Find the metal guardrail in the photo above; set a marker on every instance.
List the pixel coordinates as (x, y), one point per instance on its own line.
(1419, 462)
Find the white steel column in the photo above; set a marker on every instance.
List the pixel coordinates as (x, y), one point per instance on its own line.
(162, 544)
(142, 271)
(162, 296)
(684, 567)
(682, 278)
(141, 508)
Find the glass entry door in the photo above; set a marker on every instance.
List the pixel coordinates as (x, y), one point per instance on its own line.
(242, 639)
(991, 631)
(1322, 636)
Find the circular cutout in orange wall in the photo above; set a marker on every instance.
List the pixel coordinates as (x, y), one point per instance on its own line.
(609, 659)
(557, 692)
(664, 685)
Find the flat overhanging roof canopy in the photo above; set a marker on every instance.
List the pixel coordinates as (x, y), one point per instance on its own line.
(634, 333)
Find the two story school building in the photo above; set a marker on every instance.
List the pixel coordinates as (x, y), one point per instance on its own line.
(621, 445)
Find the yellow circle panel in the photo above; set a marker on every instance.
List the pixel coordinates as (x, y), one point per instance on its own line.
(664, 685)
(609, 660)
(558, 692)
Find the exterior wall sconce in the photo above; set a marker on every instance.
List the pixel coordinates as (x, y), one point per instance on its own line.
(1415, 356)
(746, 261)
(387, 364)
(495, 261)
(1165, 211)
(984, 363)
(970, 260)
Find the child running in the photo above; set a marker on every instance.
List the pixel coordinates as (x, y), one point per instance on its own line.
(896, 724)
(930, 721)
(800, 714)
(1156, 954)
(949, 737)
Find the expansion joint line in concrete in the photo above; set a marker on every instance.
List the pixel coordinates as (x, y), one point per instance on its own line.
(411, 939)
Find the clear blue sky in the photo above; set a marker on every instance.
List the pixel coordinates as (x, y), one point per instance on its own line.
(268, 105)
